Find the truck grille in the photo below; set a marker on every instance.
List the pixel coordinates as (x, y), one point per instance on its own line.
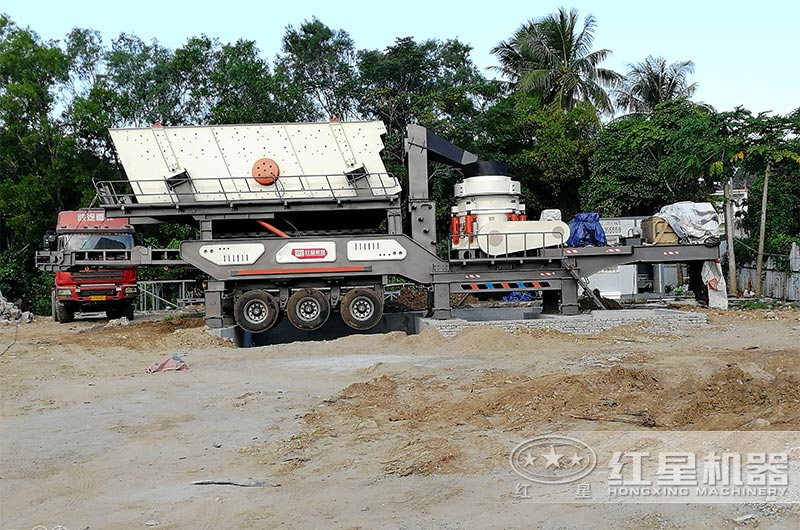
(105, 275)
(99, 292)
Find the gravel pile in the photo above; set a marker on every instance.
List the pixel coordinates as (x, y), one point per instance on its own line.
(11, 314)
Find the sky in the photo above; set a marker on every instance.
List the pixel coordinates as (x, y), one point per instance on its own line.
(745, 52)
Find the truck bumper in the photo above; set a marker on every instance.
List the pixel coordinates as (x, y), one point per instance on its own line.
(90, 294)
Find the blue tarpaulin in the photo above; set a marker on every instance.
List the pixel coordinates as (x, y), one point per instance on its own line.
(518, 296)
(585, 230)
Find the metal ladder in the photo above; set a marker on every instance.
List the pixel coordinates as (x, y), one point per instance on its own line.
(583, 283)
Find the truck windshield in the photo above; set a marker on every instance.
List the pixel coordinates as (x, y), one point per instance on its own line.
(96, 241)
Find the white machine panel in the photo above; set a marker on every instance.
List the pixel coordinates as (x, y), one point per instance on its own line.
(312, 159)
(375, 250)
(233, 253)
(307, 251)
(506, 237)
(487, 185)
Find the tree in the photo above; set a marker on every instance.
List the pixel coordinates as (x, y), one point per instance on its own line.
(642, 163)
(547, 150)
(765, 145)
(34, 159)
(653, 81)
(156, 84)
(84, 48)
(321, 63)
(241, 89)
(432, 83)
(37, 163)
(552, 58)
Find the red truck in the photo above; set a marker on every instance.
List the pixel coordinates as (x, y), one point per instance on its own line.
(93, 288)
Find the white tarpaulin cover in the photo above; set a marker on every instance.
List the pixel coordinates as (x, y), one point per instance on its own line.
(717, 287)
(693, 222)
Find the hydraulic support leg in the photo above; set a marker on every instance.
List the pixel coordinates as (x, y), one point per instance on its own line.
(569, 297)
(215, 317)
(441, 301)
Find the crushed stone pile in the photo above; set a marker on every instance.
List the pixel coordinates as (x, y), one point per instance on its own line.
(122, 321)
(11, 314)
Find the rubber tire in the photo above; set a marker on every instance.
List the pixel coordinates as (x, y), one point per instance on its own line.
(352, 305)
(127, 309)
(64, 313)
(302, 296)
(250, 301)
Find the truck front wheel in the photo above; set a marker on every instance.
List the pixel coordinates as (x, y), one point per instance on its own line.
(127, 309)
(64, 312)
(121, 309)
(256, 311)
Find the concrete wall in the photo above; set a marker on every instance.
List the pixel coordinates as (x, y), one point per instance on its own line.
(594, 322)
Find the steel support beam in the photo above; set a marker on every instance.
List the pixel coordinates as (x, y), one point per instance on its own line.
(64, 260)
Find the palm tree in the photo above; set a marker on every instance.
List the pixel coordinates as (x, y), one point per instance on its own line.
(551, 58)
(653, 81)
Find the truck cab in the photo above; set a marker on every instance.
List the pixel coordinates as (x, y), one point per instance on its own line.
(92, 288)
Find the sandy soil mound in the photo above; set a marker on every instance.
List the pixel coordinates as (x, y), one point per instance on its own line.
(186, 332)
(416, 417)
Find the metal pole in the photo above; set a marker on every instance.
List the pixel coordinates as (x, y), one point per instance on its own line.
(729, 221)
(762, 230)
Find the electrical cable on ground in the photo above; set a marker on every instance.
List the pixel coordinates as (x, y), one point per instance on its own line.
(16, 331)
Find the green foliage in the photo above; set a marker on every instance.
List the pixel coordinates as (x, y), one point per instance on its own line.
(321, 64)
(753, 305)
(651, 82)
(21, 283)
(773, 141)
(242, 90)
(167, 236)
(640, 163)
(431, 83)
(547, 149)
(552, 58)
(33, 155)
(766, 143)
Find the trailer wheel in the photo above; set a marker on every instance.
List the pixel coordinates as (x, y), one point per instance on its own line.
(308, 309)
(361, 309)
(256, 311)
(64, 312)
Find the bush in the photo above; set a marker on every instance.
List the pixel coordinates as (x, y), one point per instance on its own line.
(22, 284)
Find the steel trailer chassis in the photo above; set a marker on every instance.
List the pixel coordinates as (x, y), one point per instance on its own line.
(557, 270)
(239, 265)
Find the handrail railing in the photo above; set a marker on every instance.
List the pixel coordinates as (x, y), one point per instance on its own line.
(152, 296)
(239, 188)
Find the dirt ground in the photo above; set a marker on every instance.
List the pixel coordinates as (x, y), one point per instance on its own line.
(370, 431)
